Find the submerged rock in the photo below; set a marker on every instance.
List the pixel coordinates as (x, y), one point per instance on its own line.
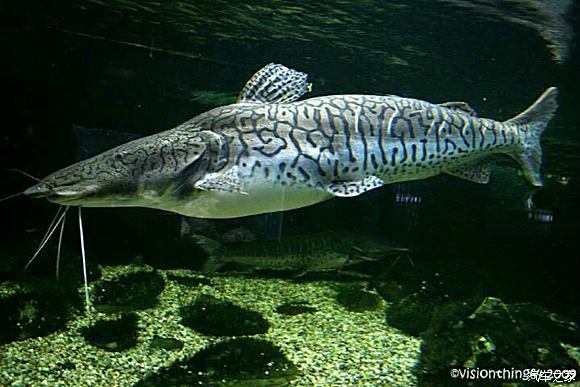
(113, 335)
(354, 299)
(35, 313)
(235, 362)
(391, 291)
(239, 234)
(412, 314)
(214, 317)
(495, 336)
(189, 281)
(485, 333)
(425, 302)
(295, 308)
(167, 343)
(129, 292)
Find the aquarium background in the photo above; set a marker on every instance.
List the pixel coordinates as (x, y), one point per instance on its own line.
(78, 77)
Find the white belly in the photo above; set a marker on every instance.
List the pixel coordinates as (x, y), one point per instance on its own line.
(258, 199)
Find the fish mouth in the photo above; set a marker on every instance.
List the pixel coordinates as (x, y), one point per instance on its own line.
(38, 191)
(59, 199)
(60, 194)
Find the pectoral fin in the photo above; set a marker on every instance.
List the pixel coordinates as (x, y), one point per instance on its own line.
(275, 83)
(354, 188)
(477, 172)
(228, 181)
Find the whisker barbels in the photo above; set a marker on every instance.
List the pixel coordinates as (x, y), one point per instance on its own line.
(53, 225)
(60, 244)
(11, 196)
(85, 277)
(25, 174)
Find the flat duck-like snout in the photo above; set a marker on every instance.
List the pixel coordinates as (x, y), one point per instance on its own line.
(62, 193)
(38, 191)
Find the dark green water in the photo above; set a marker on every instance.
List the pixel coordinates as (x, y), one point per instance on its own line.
(479, 238)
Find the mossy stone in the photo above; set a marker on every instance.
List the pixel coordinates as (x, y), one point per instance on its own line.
(167, 343)
(495, 335)
(113, 335)
(391, 291)
(129, 292)
(189, 281)
(294, 308)
(35, 313)
(354, 299)
(412, 314)
(236, 362)
(214, 317)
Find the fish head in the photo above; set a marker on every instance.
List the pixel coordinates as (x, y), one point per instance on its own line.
(361, 249)
(145, 172)
(353, 259)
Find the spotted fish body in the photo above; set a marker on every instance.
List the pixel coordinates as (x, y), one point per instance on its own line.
(269, 152)
(312, 253)
(293, 254)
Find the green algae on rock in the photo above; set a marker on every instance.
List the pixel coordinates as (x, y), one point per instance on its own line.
(329, 347)
(129, 292)
(189, 281)
(355, 299)
(34, 313)
(166, 343)
(241, 362)
(497, 335)
(113, 335)
(412, 314)
(294, 308)
(391, 291)
(215, 317)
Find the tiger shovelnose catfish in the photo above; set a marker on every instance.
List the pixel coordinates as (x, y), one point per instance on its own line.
(271, 152)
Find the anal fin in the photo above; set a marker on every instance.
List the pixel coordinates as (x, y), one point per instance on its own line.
(477, 172)
(354, 188)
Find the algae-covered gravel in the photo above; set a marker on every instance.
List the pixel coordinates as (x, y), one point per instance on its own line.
(329, 346)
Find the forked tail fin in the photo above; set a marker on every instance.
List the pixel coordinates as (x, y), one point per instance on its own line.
(533, 121)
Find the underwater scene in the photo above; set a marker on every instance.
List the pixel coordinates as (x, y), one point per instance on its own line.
(289, 193)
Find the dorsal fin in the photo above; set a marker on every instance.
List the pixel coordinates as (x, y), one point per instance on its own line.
(275, 83)
(460, 106)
